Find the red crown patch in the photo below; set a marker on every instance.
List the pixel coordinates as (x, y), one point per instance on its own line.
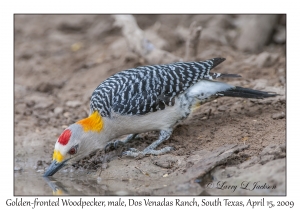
(64, 137)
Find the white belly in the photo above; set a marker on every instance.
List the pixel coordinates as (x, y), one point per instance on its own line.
(159, 120)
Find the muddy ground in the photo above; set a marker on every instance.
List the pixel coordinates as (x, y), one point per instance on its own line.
(61, 59)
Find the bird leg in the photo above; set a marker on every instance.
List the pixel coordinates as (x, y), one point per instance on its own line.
(150, 150)
(118, 143)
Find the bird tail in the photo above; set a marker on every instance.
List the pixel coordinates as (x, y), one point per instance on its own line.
(247, 93)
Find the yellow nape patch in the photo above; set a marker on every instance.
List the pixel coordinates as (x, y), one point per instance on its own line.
(58, 156)
(93, 123)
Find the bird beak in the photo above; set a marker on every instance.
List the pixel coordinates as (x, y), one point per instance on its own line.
(54, 167)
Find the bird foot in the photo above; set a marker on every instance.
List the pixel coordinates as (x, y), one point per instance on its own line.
(118, 143)
(132, 152)
(113, 145)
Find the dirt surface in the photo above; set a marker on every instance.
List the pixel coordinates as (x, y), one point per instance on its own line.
(61, 59)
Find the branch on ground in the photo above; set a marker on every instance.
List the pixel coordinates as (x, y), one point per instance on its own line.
(139, 44)
(192, 41)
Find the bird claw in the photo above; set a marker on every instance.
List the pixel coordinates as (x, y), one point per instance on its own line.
(108, 147)
(118, 143)
(113, 145)
(132, 152)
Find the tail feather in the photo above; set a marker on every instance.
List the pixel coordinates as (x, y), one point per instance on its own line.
(212, 76)
(229, 75)
(218, 75)
(247, 93)
(217, 61)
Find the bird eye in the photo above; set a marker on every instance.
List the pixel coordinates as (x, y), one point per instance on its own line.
(72, 151)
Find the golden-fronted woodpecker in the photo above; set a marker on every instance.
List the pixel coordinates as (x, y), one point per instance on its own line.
(148, 98)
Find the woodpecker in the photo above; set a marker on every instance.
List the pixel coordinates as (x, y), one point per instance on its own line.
(142, 99)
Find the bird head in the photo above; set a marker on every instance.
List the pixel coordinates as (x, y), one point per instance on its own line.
(76, 142)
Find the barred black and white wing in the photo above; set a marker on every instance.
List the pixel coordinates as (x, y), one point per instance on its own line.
(150, 88)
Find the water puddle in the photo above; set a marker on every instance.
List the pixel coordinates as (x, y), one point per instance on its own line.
(33, 183)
